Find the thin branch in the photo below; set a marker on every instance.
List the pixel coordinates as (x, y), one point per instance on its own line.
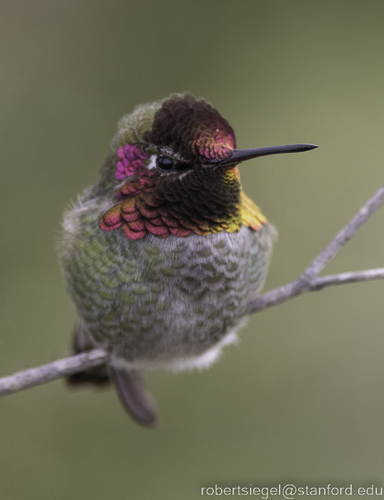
(345, 234)
(52, 371)
(307, 282)
(351, 277)
(298, 287)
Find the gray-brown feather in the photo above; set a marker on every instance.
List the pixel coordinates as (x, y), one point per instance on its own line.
(155, 300)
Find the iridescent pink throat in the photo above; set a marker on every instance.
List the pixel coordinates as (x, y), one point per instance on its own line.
(141, 209)
(131, 162)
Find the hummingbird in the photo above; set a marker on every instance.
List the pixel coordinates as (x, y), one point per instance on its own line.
(163, 253)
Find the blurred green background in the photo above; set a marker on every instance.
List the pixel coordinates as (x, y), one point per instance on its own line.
(301, 398)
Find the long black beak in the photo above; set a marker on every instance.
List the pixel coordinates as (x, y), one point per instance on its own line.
(239, 155)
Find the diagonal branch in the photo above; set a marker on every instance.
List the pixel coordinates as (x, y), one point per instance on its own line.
(298, 287)
(345, 234)
(351, 277)
(307, 282)
(52, 371)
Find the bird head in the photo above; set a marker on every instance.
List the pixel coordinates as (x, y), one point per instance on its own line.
(173, 169)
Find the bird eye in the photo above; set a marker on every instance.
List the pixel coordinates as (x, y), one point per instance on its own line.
(164, 164)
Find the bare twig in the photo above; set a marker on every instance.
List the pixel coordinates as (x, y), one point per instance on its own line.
(298, 287)
(52, 371)
(307, 282)
(345, 234)
(351, 277)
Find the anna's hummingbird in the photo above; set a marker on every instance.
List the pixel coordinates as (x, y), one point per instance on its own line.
(162, 255)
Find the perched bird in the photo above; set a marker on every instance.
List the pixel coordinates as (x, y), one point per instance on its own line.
(162, 255)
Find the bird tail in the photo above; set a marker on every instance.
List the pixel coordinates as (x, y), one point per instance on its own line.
(129, 384)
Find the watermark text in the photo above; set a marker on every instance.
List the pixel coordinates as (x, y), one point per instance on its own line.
(290, 491)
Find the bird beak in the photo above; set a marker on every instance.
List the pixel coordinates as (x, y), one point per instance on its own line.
(239, 155)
